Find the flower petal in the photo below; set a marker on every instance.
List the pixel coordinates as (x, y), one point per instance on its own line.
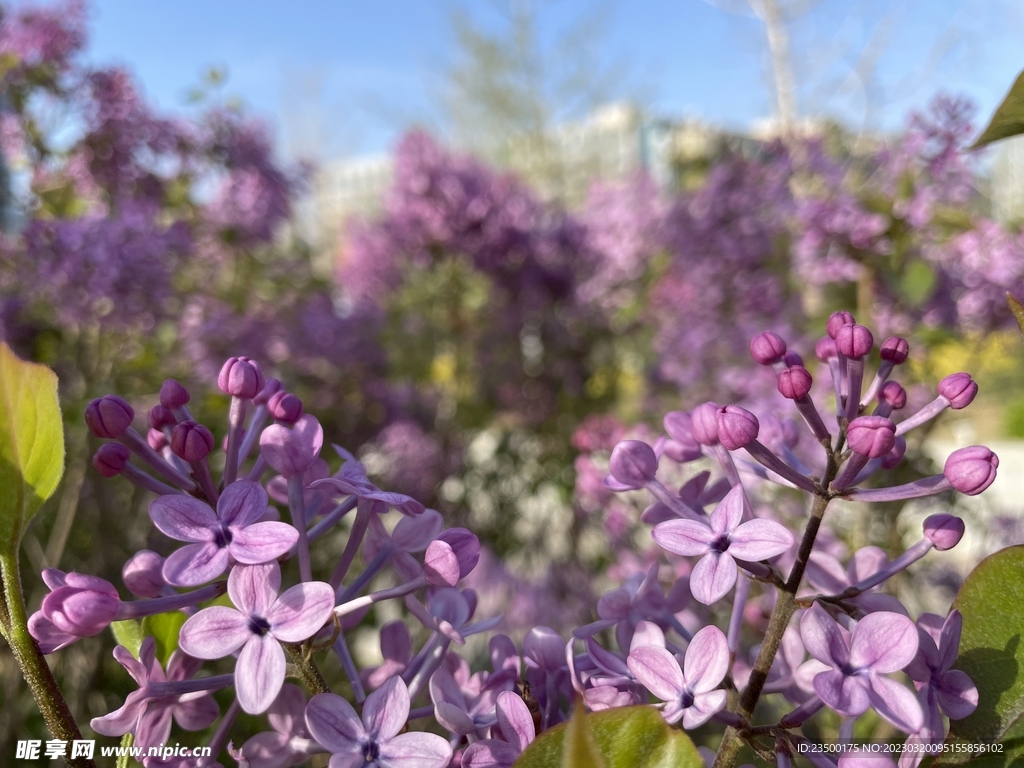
(706, 660)
(956, 693)
(683, 537)
(729, 512)
(846, 695)
(122, 720)
(704, 706)
(301, 611)
(416, 750)
(489, 753)
(259, 673)
(242, 503)
(195, 564)
(214, 632)
(885, 642)
(712, 577)
(253, 588)
(386, 710)
(657, 670)
(822, 638)
(195, 714)
(334, 724)
(515, 720)
(183, 518)
(453, 718)
(759, 539)
(949, 640)
(262, 542)
(896, 703)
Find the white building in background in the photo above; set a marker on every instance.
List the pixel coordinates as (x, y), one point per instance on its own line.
(1008, 180)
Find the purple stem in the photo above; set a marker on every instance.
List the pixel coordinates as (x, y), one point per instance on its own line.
(881, 376)
(739, 604)
(673, 502)
(928, 486)
(158, 690)
(725, 459)
(137, 445)
(364, 510)
(352, 606)
(137, 609)
(220, 736)
(929, 412)
(910, 556)
(252, 433)
(431, 661)
(257, 469)
(806, 408)
(144, 480)
(799, 715)
(855, 380)
(236, 422)
(850, 470)
(297, 508)
(768, 459)
(377, 562)
(345, 657)
(201, 471)
(327, 521)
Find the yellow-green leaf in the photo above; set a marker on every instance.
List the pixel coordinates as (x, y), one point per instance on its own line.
(164, 627)
(129, 634)
(1017, 310)
(1008, 119)
(31, 443)
(580, 750)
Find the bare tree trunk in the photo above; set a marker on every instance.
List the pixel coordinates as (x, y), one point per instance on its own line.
(778, 43)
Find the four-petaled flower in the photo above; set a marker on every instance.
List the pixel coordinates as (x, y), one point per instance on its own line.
(881, 643)
(727, 537)
(375, 741)
(689, 693)
(262, 622)
(230, 533)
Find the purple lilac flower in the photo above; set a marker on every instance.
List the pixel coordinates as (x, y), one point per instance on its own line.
(263, 620)
(689, 693)
(78, 606)
(941, 689)
(516, 725)
(375, 741)
(290, 743)
(880, 643)
(726, 538)
(218, 538)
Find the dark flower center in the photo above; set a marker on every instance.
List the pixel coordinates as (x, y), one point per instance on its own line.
(258, 625)
(222, 537)
(686, 699)
(720, 544)
(371, 752)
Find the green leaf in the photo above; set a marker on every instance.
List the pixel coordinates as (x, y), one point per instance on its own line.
(625, 737)
(1008, 119)
(1017, 310)
(580, 749)
(31, 443)
(129, 634)
(992, 654)
(164, 628)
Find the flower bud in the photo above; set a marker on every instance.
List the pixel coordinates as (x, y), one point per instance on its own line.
(959, 389)
(971, 470)
(836, 321)
(767, 348)
(160, 416)
(440, 565)
(737, 427)
(83, 606)
(633, 463)
(854, 341)
(704, 419)
(895, 456)
(292, 450)
(241, 377)
(794, 382)
(871, 436)
(466, 546)
(682, 445)
(109, 416)
(791, 358)
(143, 574)
(825, 349)
(173, 395)
(893, 394)
(944, 531)
(191, 441)
(270, 388)
(284, 406)
(157, 440)
(894, 350)
(110, 459)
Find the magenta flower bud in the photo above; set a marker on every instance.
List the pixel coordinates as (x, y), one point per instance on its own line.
(854, 341)
(836, 321)
(173, 395)
(825, 349)
(704, 422)
(109, 416)
(284, 406)
(157, 440)
(895, 456)
(82, 605)
(944, 531)
(959, 389)
(871, 436)
(633, 463)
(682, 445)
(767, 348)
(160, 416)
(737, 427)
(270, 388)
(791, 358)
(191, 441)
(143, 574)
(894, 350)
(110, 459)
(794, 383)
(971, 470)
(241, 377)
(893, 395)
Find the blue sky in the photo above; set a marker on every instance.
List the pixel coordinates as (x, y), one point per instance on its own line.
(347, 77)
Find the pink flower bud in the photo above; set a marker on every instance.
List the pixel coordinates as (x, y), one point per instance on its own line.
(191, 441)
(143, 574)
(157, 440)
(959, 389)
(836, 321)
(291, 451)
(944, 531)
(440, 565)
(794, 382)
(767, 348)
(871, 436)
(284, 406)
(173, 395)
(971, 470)
(160, 416)
(633, 463)
(241, 377)
(704, 419)
(83, 606)
(825, 349)
(466, 546)
(270, 388)
(682, 445)
(110, 459)
(894, 350)
(893, 394)
(109, 416)
(737, 427)
(854, 341)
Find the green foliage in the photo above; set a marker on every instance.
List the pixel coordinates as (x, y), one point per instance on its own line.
(129, 634)
(164, 628)
(1008, 119)
(624, 737)
(31, 443)
(992, 654)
